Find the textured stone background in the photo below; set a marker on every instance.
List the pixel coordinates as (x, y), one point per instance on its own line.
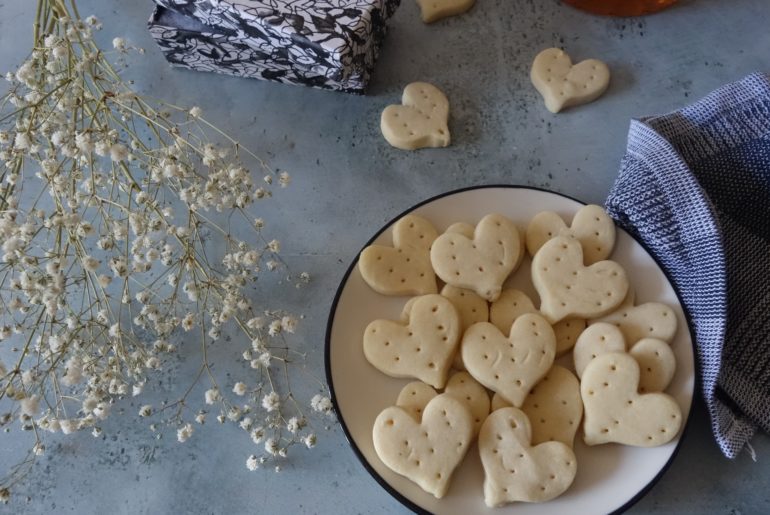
(348, 182)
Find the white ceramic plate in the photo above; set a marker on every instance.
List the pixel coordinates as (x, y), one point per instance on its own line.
(609, 478)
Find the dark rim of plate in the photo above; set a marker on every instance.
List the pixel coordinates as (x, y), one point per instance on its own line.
(332, 312)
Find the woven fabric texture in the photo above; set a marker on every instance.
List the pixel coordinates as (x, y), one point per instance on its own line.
(694, 187)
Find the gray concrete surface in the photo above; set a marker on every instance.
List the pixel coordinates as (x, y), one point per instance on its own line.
(348, 182)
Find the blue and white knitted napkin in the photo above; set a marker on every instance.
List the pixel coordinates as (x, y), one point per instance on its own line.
(694, 187)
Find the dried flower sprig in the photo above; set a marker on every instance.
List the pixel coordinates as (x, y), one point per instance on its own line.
(119, 222)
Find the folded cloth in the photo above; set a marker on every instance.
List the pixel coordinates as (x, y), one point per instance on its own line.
(694, 187)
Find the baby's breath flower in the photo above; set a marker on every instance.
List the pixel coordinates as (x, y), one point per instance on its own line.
(196, 112)
(309, 440)
(119, 44)
(184, 433)
(239, 388)
(321, 404)
(212, 396)
(271, 446)
(271, 401)
(118, 152)
(145, 411)
(252, 463)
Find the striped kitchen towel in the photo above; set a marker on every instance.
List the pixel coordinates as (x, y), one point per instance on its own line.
(694, 187)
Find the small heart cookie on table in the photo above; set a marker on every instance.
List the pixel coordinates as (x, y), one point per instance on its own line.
(423, 347)
(433, 10)
(427, 452)
(510, 365)
(516, 470)
(481, 263)
(616, 412)
(404, 268)
(568, 289)
(563, 85)
(591, 226)
(421, 120)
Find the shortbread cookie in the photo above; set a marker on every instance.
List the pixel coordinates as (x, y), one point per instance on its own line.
(516, 470)
(498, 402)
(513, 303)
(648, 320)
(615, 412)
(405, 268)
(422, 348)
(471, 308)
(433, 10)
(482, 263)
(563, 85)
(511, 365)
(567, 332)
(596, 340)
(509, 306)
(554, 407)
(568, 289)
(591, 226)
(414, 397)
(657, 364)
(426, 452)
(465, 388)
(421, 120)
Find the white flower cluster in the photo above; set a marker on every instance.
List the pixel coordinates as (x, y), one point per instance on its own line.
(116, 250)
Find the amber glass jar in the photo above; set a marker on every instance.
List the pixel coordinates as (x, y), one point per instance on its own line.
(621, 7)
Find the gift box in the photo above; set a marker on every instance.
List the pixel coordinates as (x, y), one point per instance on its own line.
(329, 44)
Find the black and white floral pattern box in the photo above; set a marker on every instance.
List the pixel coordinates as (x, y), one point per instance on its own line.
(320, 43)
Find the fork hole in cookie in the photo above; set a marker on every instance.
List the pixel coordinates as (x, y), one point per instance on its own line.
(389, 422)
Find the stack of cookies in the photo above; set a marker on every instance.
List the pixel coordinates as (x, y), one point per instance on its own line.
(482, 355)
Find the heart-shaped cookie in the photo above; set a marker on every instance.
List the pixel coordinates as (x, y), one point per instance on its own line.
(405, 268)
(421, 120)
(554, 407)
(657, 364)
(471, 308)
(465, 388)
(615, 412)
(513, 303)
(414, 397)
(567, 288)
(426, 452)
(563, 85)
(511, 365)
(433, 10)
(422, 348)
(482, 263)
(596, 340)
(591, 226)
(514, 469)
(648, 320)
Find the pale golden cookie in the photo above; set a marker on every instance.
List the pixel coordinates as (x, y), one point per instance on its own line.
(429, 451)
(567, 288)
(433, 10)
(482, 263)
(514, 469)
(591, 226)
(554, 407)
(498, 402)
(510, 365)
(657, 364)
(563, 85)
(615, 412)
(405, 268)
(466, 389)
(648, 320)
(598, 339)
(421, 120)
(513, 303)
(471, 308)
(414, 397)
(422, 348)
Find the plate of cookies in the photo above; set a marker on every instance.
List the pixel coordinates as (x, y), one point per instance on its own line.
(503, 348)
